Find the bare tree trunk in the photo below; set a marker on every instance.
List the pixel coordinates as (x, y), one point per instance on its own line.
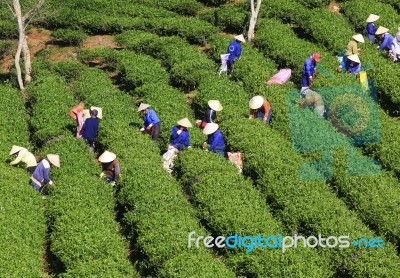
(253, 19)
(18, 14)
(27, 60)
(23, 43)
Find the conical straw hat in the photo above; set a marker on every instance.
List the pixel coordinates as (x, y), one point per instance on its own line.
(354, 58)
(215, 105)
(99, 111)
(15, 149)
(240, 38)
(359, 38)
(256, 102)
(210, 128)
(372, 18)
(54, 159)
(185, 122)
(381, 30)
(86, 113)
(107, 157)
(143, 106)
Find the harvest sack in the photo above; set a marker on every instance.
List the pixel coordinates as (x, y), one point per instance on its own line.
(236, 158)
(364, 80)
(281, 77)
(224, 63)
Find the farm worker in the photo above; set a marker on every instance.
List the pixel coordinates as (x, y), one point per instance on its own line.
(215, 139)
(234, 51)
(76, 113)
(309, 70)
(260, 108)
(313, 100)
(395, 55)
(387, 38)
(151, 121)
(178, 140)
(90, 128)
(110, 167)
(40, 176)
(25, 156)
(210, 114)
(354, 64)
(370, 30)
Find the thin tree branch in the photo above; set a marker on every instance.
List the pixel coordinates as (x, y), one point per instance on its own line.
(29, 14)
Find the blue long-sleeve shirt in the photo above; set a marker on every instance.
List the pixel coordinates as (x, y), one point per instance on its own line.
(370, 29)
(387, 42)
(308, 68)
(41, 173)
(234, 50)
(150, 118)
(179, 141)
(216, 141)
(90, 128)
(354, 68)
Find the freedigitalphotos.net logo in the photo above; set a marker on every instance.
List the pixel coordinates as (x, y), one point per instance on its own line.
(351, 120)
(249, 243)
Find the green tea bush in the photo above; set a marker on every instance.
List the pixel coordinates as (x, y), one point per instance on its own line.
(206, 175)
(82, 216)
(51, 99)
(187, 66)
(297, 202)
(69, 36)
(147, 206)
(5, 48)
(23, 225)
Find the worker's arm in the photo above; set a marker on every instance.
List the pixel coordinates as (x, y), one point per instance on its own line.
(18, 159)
(309, 67)
(186, 139)
(384, 43)
(46, 177)
(117, 171)
(251, 114)
(266, 108)
(174, 133)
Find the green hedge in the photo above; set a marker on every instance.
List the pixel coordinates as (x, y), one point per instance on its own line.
(51, 101)
(206, 175)
(69, 36)
(187, 66)
(298, 203)
(147, 206)
(23, 225)
(82, 217)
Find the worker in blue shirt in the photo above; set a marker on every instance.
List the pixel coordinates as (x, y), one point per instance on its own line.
(234, 51)
(370, 30)
(215, 139)
(309, 70)
(151, 121)
(178, 140)
(387, 42)
(180, 137)
(354, 65)
(90, 128)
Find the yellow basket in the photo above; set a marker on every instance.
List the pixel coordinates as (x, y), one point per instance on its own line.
(364, 80)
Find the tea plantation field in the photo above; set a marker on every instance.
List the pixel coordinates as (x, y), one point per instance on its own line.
(301, 175)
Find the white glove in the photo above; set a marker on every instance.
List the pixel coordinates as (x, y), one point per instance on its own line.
(112, 183)
(102, 174)
(179, 132)
(51, 182)
(142, 129)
